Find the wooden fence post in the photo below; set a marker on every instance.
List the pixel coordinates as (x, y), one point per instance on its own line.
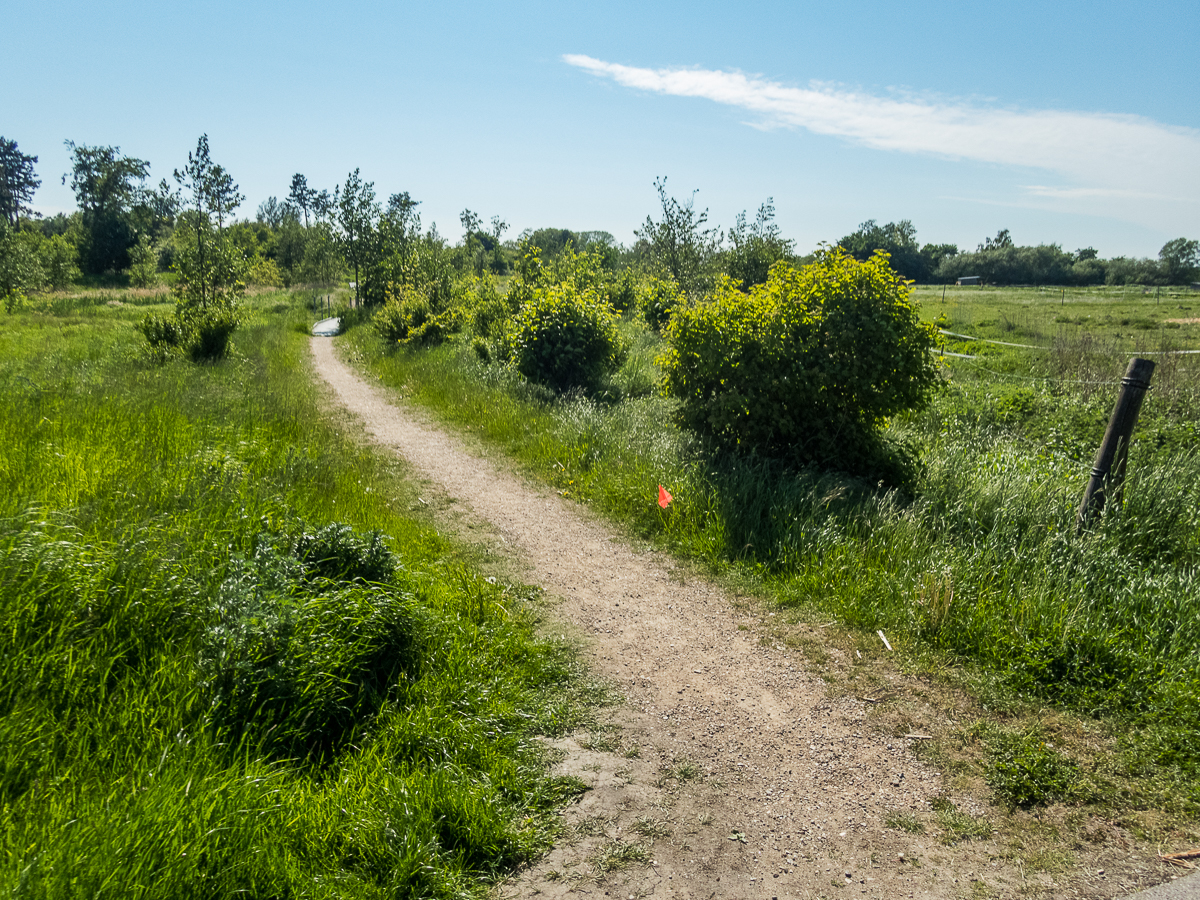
(1108, 472)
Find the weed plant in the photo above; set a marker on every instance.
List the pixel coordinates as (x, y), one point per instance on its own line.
(979, 561)
(229, 663)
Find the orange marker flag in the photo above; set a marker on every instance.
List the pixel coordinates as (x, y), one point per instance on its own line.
(664, 499)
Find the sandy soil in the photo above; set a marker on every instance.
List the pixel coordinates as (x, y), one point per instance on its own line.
(731, 770)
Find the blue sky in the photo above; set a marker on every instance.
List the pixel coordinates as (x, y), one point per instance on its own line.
(1075, 123)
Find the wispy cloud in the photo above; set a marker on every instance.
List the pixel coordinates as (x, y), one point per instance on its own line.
(1102, 157)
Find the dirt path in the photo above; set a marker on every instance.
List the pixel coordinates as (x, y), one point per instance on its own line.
(733, 772)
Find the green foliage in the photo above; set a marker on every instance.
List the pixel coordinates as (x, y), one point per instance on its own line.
(202, 333)
(107, 186)
(807, 365)
(357, 214)
(659, 300)
(20, 268)
(58, 258)
(1180, 260)
(1023, 771)
(490, 310)
(17, 182)
(565, 338)
(263, 271)
(306, 644)
(621, 291)
(215, 679)
(408, 317)
(755, 248)
(680, 246)
(143, 263)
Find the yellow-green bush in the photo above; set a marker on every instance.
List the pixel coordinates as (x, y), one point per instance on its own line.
(565, 338)
(807, 365)
(658, 299)
(407, 317)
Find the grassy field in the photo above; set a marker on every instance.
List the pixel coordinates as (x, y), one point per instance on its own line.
(975, 568)
(231, 662)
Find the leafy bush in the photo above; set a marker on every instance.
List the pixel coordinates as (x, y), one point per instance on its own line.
(207, 331)
(566, 338)
(807, 365)
(143, 263)
(660, 298)
(408, 317)
(201, 333)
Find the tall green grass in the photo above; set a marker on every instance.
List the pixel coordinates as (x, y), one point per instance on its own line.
(229, 662)
(979, 561)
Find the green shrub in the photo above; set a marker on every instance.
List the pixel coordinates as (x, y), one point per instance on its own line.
(659, 299)
(163, 333)
(337, 551)
(143, 263)
(808, 365)
(621, 291)
(408, 317)
(566, 338)
(201, 333)
(206, 332)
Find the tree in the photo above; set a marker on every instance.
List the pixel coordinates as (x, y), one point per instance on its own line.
(223, 196)
(1180, 260)
(301, 195)
(20, 269)
(680, 245)
(17, 181)
(1002, 241)
(208, 273)
(196, 177)
(897, 239)
(273, 214)
(755, 248)
(357, 213)
(208, 287)
(106, 186)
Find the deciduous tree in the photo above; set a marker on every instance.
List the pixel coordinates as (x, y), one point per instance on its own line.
(357, 213)
(1180, 260)
(106, 186)
(17, 181)
(680, 245)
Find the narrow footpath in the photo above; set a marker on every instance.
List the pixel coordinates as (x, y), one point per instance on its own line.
(730, 769)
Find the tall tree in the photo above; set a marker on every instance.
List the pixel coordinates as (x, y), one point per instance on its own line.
(211, 277)
(196, 178)
(301, 195)
(897, 239)
(106, 186)
(680, 244)
(755, 248)
(1180, 260)
(17, 181)
(224, 197)
(357, 213)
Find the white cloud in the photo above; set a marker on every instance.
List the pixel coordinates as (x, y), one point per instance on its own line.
(1103, 158)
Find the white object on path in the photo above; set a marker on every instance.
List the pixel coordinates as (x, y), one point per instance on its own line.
(327, 327)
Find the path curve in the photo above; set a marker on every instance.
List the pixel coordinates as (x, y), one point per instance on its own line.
(732, 765)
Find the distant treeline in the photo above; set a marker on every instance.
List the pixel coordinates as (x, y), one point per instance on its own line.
(1000, 261)
(130, 229)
